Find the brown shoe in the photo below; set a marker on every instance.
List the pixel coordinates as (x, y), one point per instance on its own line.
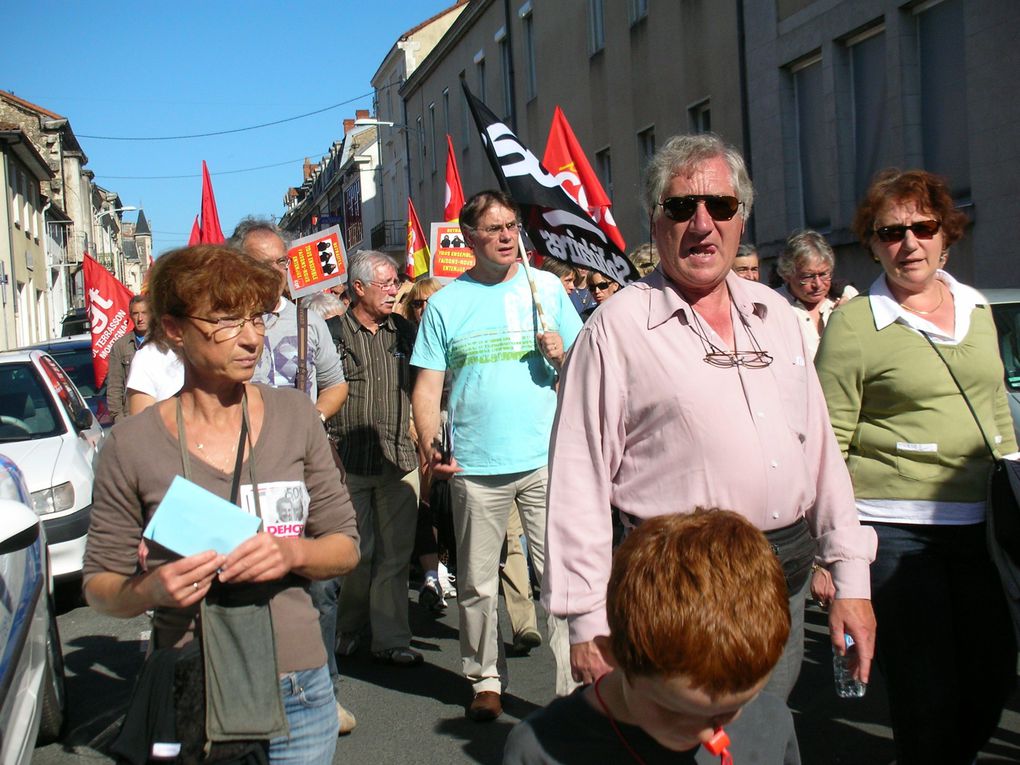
(485, 707)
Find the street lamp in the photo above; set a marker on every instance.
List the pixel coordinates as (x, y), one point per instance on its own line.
(129, 208)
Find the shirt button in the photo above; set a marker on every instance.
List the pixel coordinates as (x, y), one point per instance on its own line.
(774, 464)
(761, 414)
(775, 516)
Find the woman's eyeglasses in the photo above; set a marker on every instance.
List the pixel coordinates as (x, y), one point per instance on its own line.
(822, 276)
(923, 229)
(600, 286)
(682, 209)
(419, 303)
(229, 327)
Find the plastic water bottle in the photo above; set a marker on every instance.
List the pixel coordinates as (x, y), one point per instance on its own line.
(846, 686)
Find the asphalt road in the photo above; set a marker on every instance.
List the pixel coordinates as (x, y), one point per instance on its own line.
(417, 715)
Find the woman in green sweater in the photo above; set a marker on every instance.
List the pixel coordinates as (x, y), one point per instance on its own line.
(920, 469)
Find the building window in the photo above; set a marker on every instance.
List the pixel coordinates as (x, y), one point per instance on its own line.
(943, 78)
(811, 144)
(646, 146)
(446, 111)
(530, 77)
(596, 27)
(26, 203)
(432, 133)
(700, 116)
(421, 144)
(480, 71)
(638, 10)
(352, 214)
(504, 70)
(604, 167)
(15, 197)
(870, 94)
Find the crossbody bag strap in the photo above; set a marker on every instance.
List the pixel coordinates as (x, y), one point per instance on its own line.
(988, 444)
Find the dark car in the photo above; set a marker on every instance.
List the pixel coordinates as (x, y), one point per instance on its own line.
(74, 354)
(1006, 311)
(75, 323)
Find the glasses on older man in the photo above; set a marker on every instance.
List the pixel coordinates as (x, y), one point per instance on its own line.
(681, 209)
(229, 327)
(923, 229)
(756, 358)
(392, 284)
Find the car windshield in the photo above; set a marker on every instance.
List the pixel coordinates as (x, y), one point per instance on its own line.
(1007, 322)
(26, 409)
(77, 362)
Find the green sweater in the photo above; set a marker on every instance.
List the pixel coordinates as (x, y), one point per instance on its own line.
(900, 421)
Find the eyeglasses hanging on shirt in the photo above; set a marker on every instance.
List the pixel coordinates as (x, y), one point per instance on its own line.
(717, 357)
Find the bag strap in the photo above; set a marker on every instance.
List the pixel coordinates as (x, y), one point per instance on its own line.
(245, 436)
(988, 444)
(301, 378)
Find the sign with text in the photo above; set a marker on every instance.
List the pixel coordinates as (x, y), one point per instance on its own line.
(317, 262)
(451, 255)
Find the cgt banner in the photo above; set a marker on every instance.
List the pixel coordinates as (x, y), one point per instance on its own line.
(556, 224)
(451, 255)
(317, 262)
(107, 303)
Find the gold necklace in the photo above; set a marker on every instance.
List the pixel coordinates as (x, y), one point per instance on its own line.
(942, 299)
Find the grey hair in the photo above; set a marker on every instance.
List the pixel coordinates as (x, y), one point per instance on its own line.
(136, 299)
(746, 250)
(251, 225)
(685, 152)
(363, 264)
(644, 258)
(325, 304)
(803, 246)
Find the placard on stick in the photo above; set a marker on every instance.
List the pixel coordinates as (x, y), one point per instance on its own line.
(451, 255)
(317, 261)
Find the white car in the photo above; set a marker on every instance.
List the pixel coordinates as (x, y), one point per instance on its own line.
(47, 429)
(32, 694)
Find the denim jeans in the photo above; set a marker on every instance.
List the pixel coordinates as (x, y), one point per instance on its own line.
(311, 714)
(945, 640)
(324, 596)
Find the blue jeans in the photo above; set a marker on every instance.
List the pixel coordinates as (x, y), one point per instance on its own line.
(945, 640)
(324, 597)
(311, 714)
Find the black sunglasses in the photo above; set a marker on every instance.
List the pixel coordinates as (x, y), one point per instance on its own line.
(681, 209)
(600, 286)
(419, 303)
(923, 229)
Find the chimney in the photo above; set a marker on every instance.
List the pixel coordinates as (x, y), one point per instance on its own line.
(308, 168)
(348, 126)
(362, 114)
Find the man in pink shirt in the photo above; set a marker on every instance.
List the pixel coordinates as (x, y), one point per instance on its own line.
(692, 388)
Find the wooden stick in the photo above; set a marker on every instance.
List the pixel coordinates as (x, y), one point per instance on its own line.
(531, 282)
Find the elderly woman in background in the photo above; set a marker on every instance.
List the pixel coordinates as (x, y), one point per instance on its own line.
(806, 267)
(920, 469)
(212, 305)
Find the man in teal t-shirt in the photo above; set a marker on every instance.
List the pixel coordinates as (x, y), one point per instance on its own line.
(484, 330)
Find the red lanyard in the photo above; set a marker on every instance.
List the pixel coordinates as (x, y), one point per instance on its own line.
(717, 745)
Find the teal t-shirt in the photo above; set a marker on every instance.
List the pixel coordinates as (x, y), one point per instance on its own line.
(502, 400)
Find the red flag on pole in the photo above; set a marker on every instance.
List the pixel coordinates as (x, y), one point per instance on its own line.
(454, 191)
(107, 302)
(210, 230)
(565, 159)
(417, 248)
(196, 234)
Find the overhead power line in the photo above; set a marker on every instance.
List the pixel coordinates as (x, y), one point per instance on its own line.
(224, 132)
(199, 175)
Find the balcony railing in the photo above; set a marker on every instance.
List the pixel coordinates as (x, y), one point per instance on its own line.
(390, 234)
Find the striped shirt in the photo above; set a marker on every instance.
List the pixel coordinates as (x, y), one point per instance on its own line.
(373, 426)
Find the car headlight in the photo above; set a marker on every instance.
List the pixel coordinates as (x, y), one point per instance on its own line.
(53, 500)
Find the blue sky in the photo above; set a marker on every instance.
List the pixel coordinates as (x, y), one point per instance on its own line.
(166, 69)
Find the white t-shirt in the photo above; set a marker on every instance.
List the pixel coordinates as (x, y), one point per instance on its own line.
(155, 372)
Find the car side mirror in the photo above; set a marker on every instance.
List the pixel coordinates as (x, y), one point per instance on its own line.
(83, 419)
(19, 526)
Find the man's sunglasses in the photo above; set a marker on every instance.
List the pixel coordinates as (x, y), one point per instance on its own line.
(681, 209)
(923, 229)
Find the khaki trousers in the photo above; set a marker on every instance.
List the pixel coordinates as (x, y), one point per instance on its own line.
(481, 511)
(515, 581)
(376, 591)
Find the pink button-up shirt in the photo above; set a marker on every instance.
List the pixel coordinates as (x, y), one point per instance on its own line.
(645, 425)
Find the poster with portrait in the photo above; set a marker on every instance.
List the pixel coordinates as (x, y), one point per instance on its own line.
(451, 255)
(317, 261)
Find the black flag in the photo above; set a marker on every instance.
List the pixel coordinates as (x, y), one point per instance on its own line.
(557, 226)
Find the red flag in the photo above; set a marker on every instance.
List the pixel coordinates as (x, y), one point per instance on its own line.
(196, 234)
(454, 192)
(107, 301)
(564, 158)
(417, 248)
(210, 230)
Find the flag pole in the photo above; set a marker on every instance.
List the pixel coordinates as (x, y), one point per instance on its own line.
(531, 282)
